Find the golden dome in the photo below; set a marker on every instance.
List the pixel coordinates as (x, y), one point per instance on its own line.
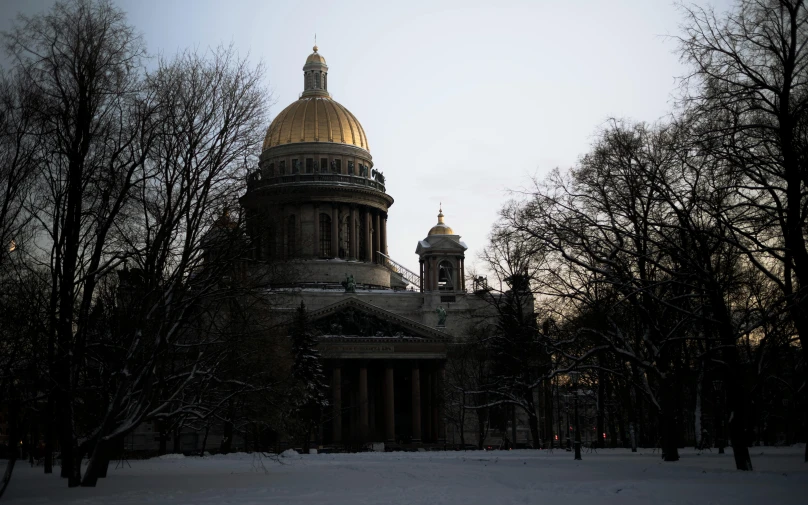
(441, 228)
(315, 57)
(315, 119)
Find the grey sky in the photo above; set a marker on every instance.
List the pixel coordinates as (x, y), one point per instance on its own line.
(461, 101)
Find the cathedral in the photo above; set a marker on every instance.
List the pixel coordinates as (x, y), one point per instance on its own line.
(319, 207)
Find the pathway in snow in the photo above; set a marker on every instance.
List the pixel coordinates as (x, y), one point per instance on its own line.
(494, 477)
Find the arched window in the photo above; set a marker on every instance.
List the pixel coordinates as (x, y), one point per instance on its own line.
(317, 80)
(445, 276)
(325, 80)
(290, 236)
(325, 236)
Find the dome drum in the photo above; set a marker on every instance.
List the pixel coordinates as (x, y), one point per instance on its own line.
(316, 199)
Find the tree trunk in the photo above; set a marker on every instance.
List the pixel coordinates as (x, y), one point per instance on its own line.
(163, 436)
(205, 441)
(177, 439)
(549, 413)
(227, 437)
(697, 411)
(601, 401)
(668, 421)
(481, 428)
(533, 419)
(99, 461)
(13, 436)
(463, 421)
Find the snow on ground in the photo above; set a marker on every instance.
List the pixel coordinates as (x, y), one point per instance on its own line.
(493, 477)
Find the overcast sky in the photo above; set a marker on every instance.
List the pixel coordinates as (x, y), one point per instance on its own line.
(461, 101)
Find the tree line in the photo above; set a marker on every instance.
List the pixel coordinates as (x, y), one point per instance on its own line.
(124, 295)
(669, 266)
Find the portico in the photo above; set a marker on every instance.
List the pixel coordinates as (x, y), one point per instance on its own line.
(386, 375)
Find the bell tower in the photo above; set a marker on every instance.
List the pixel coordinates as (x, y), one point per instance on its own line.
(442, 256)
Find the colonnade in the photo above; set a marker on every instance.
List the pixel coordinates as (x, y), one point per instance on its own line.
(357, 232)
(364, 397)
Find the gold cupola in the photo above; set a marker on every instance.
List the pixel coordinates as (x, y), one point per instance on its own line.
(441, 228)
(315, 117)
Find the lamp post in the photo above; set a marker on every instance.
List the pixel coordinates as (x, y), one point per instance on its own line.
(574, 380)
(718, 385)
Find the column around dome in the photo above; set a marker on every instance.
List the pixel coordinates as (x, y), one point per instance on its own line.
(334, 231)
(353, 239)
(376, 236)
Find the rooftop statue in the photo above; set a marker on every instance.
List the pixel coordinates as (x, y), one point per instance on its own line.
(441, 316)
(349, 284)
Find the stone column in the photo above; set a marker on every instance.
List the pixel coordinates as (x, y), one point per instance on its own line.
(363, 402)
(336, 399)
(373, 393)
(376, 236)
(382, 235)
(284, 235)
(427, 419)
(440, 404)
(416, 404)
(353, 240)
(368, 244)
(334, 231)
(434, 401)
(422, 275)
(462, 280)
(389, 405)
(316, 233)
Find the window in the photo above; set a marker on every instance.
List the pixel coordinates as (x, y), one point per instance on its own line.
(350, 168)
(445, 276)
(317, 79)
(323, 164)
(282, 167)
(325, 80)
(325, 236)
(338, 164)
(271, 170)
(309, 165)
(290, 236)
(295, 166)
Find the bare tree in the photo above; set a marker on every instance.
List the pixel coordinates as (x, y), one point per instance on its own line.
(749, 87)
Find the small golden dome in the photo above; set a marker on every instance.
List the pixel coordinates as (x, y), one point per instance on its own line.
(315, 119)
(441, 228)
(315, 57)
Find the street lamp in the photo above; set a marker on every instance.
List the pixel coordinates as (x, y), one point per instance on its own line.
(574, 380)
(718, 385)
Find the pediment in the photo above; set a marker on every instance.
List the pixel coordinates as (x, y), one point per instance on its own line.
(356, 318)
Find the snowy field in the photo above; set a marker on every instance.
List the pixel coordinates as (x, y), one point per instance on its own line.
(495, 477)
